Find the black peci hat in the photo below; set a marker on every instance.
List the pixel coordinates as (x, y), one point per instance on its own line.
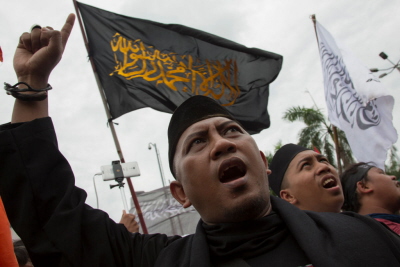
(279, 164)
(194, 109)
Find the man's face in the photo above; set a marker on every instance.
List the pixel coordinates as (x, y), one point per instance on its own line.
(314, 183)
(386, 189)
(222, 172)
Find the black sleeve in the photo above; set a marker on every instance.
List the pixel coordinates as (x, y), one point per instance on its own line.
(49, 213)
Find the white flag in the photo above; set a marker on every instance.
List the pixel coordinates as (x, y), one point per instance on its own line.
(163, 214)
(357, 102)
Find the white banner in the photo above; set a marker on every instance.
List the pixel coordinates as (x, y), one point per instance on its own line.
(163, 214)
(357, 102)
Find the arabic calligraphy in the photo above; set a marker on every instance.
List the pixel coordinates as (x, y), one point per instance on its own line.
(342, 97)
(214, 78)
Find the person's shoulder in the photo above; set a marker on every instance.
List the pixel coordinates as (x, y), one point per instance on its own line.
(328, 219)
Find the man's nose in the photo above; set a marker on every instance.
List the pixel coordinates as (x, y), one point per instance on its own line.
(323, 167)
(221, 147)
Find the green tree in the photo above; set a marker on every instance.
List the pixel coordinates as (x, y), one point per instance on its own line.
(319, 134)
(393, 166)
(269, 155)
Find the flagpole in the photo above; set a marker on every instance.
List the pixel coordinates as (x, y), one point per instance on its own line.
(336, 140)
(334, 130)
(111, 124)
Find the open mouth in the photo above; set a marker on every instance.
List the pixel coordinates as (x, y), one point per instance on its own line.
(231, 170)
(329, 183)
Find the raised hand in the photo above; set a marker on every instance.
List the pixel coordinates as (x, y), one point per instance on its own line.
(129, 221)
(39, 51)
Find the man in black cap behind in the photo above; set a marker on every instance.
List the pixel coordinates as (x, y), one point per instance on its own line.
(305, 179)
(219, 170)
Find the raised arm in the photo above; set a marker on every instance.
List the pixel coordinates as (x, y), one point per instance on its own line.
(38, 52)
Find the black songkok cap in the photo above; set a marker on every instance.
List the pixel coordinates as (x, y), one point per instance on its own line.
(194, 109)
(279, 164)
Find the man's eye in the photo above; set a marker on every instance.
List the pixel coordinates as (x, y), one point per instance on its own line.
(305, 164)
(324, 160)
(196, 141)
(232, 129)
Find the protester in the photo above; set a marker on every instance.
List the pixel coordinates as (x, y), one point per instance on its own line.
(369, 191)
(218, 169)
(305, 179)
(128, 220)
(7, 256)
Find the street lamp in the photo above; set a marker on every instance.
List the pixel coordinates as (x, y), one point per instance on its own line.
(159, 162)
(384, 56)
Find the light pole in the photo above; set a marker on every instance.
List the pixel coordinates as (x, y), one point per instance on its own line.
(386, 57)
(159, 162)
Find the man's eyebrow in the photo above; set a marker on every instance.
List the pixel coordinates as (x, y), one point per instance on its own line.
(320, 156)
(202, 133)
(195, 134)
(224, 124)
(306, 158)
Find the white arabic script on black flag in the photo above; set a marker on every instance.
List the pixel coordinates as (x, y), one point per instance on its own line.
(364, 111)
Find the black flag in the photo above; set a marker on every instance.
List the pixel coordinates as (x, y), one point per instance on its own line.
(141, 63)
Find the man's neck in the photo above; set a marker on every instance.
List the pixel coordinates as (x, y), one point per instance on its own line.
(365, 210)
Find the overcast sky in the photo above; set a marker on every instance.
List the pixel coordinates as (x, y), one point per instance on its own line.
(283, 27)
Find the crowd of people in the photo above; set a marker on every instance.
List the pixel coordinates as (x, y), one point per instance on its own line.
(316, 220)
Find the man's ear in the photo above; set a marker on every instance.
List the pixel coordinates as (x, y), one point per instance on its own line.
(178, 193)
(363, 188)
(265, 162)
(286, 195)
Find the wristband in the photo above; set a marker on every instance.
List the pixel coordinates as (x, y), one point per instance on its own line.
(39, 95)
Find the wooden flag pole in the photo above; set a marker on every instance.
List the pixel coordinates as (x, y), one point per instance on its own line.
(111, 124)
(336, 140)
(334, 130)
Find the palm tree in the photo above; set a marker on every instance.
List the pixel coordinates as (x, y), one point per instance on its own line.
(318, 134)
(393, 168)
(269, 155)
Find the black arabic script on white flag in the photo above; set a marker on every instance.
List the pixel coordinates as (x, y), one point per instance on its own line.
(341, 97)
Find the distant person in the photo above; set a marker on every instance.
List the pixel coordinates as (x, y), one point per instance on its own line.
(368, 190)
(305, 179)
(129, 221)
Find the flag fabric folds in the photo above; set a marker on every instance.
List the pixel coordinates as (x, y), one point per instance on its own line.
(357, 102)
(163, 213)
(141, 63)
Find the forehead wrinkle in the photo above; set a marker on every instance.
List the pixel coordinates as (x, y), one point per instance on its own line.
(310, 157)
